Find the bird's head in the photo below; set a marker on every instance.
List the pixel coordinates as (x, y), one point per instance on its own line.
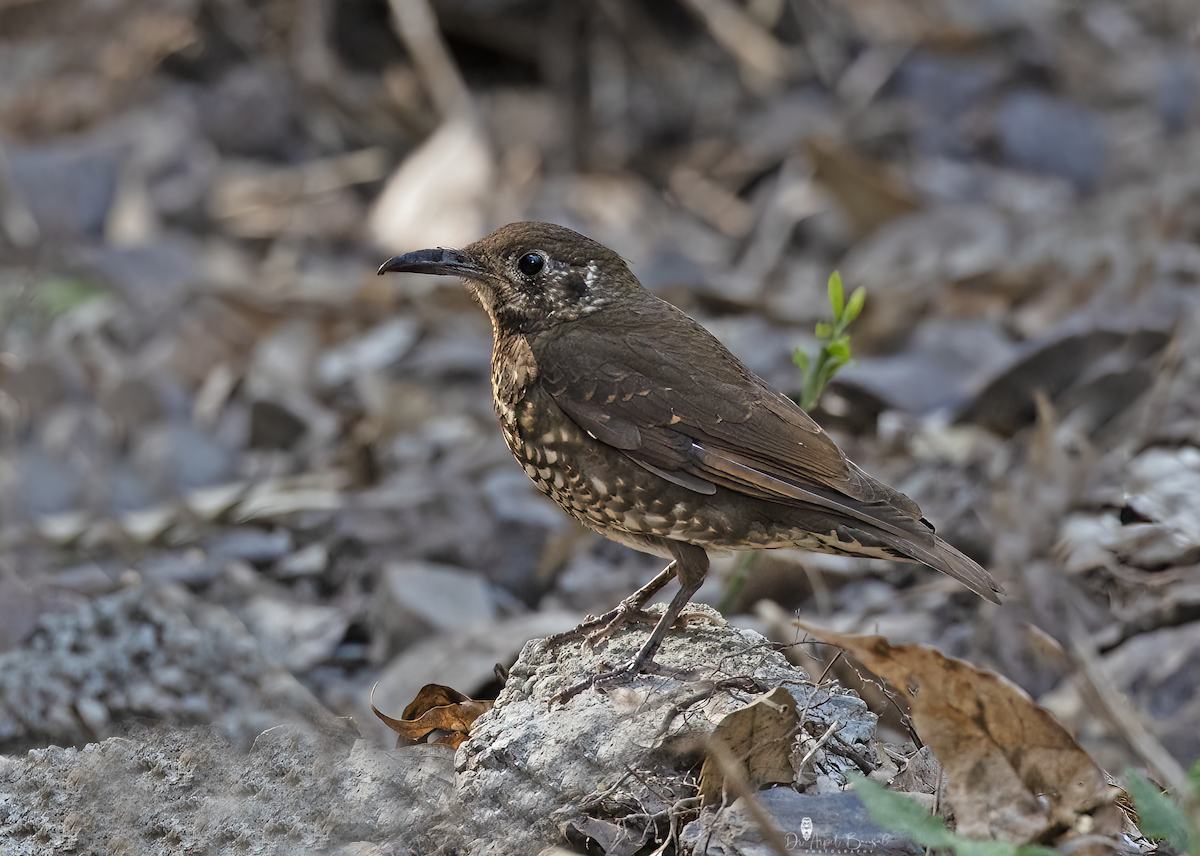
(531, 276)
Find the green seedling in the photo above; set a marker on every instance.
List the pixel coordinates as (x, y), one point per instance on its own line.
(835, 343)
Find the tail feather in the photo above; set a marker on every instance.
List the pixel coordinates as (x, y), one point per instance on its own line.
(942, 557)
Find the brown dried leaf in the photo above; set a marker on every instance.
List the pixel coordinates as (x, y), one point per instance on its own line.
(1015, 773)
(436, 708)
(868, 192)
(758, 736)
(951, 24)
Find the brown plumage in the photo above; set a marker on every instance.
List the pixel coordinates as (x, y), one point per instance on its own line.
(642, 426)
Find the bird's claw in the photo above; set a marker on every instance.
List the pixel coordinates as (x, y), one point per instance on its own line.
(595, 629)
(619, 676)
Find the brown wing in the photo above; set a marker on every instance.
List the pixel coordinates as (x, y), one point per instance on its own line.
(722, 426)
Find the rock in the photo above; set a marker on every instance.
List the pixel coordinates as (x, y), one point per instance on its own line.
(297, 791)
(299, 636)
(308, 561)
(828, 824)
(1045, 134)
(250, 543)
(470, 655)
(529, 769)
(68, 187)
(274, 426)
(439, 195)
(370, 352)
(152, 649)
(1157, 527)
(533, 765)
(415, 599)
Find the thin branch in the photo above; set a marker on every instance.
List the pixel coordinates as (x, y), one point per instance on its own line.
(418, 29)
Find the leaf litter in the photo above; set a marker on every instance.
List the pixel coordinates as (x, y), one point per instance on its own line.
(196, 361)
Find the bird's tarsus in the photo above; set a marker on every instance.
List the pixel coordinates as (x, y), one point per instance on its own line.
(596, 630)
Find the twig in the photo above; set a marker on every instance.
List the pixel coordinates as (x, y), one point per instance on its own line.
(762, 59)
(736, 784)
(674, 813)
(16, 221)
(820, 741)
(1122, 714)
(417, 27)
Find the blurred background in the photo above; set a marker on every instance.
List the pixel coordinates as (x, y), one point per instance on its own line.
(230, 455)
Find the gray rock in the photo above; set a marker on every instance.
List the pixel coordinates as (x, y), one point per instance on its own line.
(373, 351)
(1042, 133)
(153, 650)
(250, 543)
(834, 823)
(529, 770)
(469, 654)
(534, 766)
(296, 792)
(415, 599)
(69, 187)
(308, 561)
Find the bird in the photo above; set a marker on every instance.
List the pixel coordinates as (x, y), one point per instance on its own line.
(642, 426)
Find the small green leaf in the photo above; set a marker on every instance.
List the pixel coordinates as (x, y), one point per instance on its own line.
(854, 307)
(1159, 816)
(835, 294)
(839, 348)
(902, 814)
(1194, 778)
(808, 395)
(816, 370)
(59, 295)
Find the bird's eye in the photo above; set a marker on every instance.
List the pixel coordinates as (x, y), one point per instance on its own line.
(531, 264)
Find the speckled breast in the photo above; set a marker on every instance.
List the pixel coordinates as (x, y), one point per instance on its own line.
(607, 491)
(595, 483)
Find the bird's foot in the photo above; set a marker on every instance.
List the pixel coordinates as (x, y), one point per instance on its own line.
(595, 629)
(622, 675)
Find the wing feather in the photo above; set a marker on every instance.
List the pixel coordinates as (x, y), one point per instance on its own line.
(724, 427)
(725, 423)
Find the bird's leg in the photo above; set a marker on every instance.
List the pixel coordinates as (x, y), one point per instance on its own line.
(690, 567)
(601, 627)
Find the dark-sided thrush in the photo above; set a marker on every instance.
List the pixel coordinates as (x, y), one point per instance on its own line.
(642, 426)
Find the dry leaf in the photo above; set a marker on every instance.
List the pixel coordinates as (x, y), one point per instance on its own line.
(1015, 773)
(868, 192)
(436, 708)
(759, 736)
(945, 23)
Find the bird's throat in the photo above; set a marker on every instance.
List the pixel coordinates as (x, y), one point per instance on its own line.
(514, 371)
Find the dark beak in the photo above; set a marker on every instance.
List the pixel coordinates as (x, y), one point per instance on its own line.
(440, 261)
